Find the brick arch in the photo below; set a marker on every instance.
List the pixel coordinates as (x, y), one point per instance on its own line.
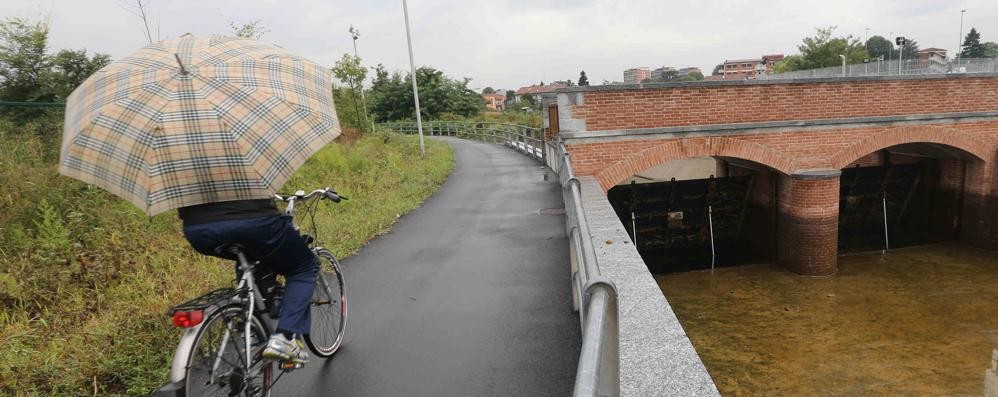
(914, 134)
(692, 147)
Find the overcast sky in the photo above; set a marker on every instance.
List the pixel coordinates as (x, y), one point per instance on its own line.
(507, 44)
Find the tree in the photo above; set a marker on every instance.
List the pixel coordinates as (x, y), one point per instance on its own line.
(23, 61)
(583, 80)
(569, 83)
(391, 95)
(910, 49)
(69, 69)
(667, 75)
(878, 46)
(510, 98)
(349, 71)
(489, 90)
(718, 70)
(139, 10)
(972, 47)
(250, 30)
(823, 50)
(990, 49)
(692, 76)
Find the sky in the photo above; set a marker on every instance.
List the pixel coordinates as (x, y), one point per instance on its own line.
(507, 44)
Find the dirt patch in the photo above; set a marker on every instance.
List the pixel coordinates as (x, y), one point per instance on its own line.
(918, 321)
(348, 135)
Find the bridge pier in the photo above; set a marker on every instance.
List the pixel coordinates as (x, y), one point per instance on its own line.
(807, 228)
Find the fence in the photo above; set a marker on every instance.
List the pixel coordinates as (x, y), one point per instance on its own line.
(527, 140)
(593, 295)
(890, 68)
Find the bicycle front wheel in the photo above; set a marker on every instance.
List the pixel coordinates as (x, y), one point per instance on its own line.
(329, 307)
(217, 365)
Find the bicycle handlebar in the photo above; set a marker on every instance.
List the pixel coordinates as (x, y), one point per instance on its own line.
(300, 195)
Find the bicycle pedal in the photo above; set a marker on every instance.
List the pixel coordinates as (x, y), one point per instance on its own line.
(290, 365)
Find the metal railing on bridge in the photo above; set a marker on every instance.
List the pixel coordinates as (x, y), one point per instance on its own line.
(909, 67)
(593, 295)
(527, 140)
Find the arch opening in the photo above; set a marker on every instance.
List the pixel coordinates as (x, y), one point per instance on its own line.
(905, 195)
(675, 210)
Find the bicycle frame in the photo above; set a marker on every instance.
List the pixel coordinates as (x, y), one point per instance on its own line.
(181, 357)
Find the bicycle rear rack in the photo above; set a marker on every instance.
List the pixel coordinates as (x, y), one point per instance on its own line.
(209, 301)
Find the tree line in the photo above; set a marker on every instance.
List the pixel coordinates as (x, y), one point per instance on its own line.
(29, 72)
(823, 50)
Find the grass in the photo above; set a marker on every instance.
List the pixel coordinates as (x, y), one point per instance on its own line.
(86, 279)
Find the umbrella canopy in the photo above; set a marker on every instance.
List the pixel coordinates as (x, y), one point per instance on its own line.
(197, 120)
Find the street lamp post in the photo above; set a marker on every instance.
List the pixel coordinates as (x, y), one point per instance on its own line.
(959, 43)
(415, 89)
(355, 33)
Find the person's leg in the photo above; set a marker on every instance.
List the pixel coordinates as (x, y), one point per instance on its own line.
(291, 257)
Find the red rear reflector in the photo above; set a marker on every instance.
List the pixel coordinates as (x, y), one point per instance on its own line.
(188, 319)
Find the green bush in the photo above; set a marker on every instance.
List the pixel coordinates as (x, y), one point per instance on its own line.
(85, 278)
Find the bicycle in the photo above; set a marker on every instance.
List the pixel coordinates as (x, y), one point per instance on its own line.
(212, 357)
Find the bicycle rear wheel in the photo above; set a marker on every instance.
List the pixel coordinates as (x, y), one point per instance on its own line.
(217, 364)
(329, 307)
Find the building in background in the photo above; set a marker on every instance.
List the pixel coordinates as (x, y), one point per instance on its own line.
(636, 75)
(535, 91)
(932, 54)
(749, 68)
(495, 101)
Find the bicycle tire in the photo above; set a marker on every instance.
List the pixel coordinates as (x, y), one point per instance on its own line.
(227, 379)
(329, 307)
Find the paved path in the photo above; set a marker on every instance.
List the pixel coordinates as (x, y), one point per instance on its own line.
(467, 296)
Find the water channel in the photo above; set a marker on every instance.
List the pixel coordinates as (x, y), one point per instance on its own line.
(915, 321)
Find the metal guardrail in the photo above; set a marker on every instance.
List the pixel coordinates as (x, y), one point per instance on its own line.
(908, 67)
(526, 140)
(594, 296)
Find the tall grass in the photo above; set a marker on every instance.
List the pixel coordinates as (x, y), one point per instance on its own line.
(86, 279)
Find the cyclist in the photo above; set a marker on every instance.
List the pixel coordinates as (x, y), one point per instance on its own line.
(269, 237)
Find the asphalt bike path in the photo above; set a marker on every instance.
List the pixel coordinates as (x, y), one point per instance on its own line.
(469, 295)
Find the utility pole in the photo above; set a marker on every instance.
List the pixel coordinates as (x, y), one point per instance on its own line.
(890, 54)
(415, 89)
(959, 43)
(900, 42)
(355, 33)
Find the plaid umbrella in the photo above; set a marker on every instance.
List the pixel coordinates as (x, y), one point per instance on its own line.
(197, 120)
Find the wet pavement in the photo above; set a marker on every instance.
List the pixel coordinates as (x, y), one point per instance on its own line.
(917, 321)
(468, 295)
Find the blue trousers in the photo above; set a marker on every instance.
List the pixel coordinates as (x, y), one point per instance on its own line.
(274, 242)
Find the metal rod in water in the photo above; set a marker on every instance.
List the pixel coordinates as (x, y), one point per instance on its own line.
(634, 231)
(710, 220)
(887, 242)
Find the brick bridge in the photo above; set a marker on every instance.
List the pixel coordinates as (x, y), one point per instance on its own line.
(795, 137)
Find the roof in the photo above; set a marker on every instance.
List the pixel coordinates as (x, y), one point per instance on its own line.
(742, 60)
(540, 89)
(497, 96)
(933, 49)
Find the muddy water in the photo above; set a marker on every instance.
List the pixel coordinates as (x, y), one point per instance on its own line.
(918, 321)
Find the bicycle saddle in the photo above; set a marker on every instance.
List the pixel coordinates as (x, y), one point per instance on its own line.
(232, 249)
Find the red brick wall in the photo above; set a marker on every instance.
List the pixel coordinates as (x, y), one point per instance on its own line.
(808, 226)
(786, 151)
(727, 104)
